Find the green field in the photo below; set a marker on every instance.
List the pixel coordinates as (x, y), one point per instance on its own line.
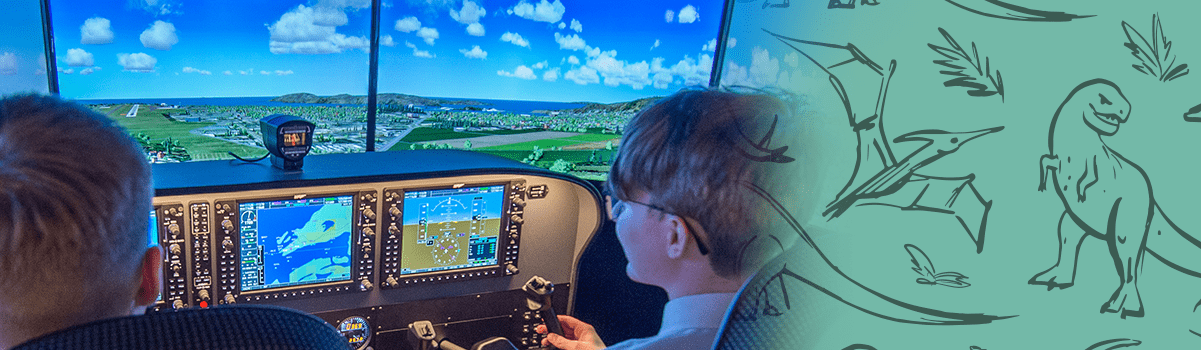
(529, 145)
(508, 132)
(593, 137)
(152, 123)
(432, 134)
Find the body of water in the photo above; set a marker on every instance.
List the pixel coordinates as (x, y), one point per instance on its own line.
(503, 105)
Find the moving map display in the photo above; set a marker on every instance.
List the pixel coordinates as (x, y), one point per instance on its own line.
(153, 238)
(295, 242)
(447, 229)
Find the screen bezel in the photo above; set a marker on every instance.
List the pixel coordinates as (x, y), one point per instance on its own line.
(500, 247)
(354, 239)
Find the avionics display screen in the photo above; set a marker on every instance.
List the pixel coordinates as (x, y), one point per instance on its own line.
(295, 242)
(448, 229)
(153, 238)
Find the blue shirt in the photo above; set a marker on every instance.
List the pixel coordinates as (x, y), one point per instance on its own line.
(689, 322)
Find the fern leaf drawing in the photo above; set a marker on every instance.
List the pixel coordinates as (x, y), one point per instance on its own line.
(1154, 56)
(966, 70)
(924, 267)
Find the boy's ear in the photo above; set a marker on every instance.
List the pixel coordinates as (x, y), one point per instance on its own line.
(677, 236)
(148, 285)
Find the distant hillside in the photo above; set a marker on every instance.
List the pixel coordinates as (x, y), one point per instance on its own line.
(632, 106)
(383, 99)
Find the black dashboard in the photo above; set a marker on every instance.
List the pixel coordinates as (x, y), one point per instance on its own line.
(373, 242)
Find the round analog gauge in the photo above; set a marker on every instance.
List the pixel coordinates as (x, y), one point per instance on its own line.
(446, 250)
(356, 330)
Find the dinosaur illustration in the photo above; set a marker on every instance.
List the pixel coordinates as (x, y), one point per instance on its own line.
(850, 4)
(896, 183)
(1004, 10)
(1106, 196)
(761, 297)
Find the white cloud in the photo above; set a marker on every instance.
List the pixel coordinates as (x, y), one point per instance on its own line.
(596, 51)
(576, 26)
(136, 62)
(655, 45)
(688, 14)
(540, 65)
(730, 43)
(617, 72)
(246, 72)
(386, 40)
(562, 25)
(470, 13)
(263, 72)
(475, 29)
(763, 71)
(157, 7)
(80, 58)
(228, 72)
(429, 34)
(8, 63)
(542, 12)
(160, 36)
(66, 71)
(669, 16)
(475, 52)
(572, 42)
(710, 46)
(573, 60)
(418, 53)
(582, 76)
(693, 71)
(522, 72)
(96, 30)
(661, 80)
(87, 71)
(311, 30)
(283, 72)
(408, 24)
(194, 70)
(792, 59)
(514, 38)
(551, 75)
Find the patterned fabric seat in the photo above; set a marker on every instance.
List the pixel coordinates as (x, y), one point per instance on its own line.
(223, 327)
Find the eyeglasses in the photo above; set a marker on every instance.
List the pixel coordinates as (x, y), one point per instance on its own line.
(615, 210)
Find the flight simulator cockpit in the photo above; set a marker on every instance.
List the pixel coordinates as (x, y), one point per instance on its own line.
(433, 166)
(466, 246)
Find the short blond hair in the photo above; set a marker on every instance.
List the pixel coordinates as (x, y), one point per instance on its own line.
(75, 195)
(693, 152)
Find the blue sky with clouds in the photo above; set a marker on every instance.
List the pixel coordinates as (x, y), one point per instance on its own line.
(599, 51)
(22, 67)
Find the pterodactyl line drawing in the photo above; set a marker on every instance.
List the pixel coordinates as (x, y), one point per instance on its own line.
(896, 183)
(828, 278)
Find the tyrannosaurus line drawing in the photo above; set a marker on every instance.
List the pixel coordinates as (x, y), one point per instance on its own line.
(1106, 196)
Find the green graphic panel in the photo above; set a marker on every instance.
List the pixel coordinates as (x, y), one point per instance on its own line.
(976, 174)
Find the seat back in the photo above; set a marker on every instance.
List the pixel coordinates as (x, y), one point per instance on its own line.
(224, 327)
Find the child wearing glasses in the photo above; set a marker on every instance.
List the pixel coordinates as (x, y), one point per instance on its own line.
(680, 192)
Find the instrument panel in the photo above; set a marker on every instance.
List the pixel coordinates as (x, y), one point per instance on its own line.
(373, 251)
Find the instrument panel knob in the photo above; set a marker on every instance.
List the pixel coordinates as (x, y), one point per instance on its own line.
(365, 285)
(368, 213)
(367, 231)
(227, 244)
(174, 249)
(395, 212)
(204, 294)
(516, 219)
(229, 298)
(173, 229)
(227, 225)
(391, 281)
(177, 304)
